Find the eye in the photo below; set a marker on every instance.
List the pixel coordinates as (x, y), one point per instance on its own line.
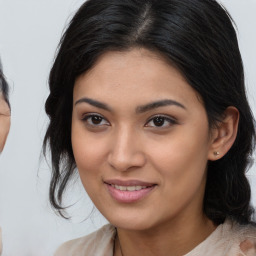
(95, 120)
(160, 121)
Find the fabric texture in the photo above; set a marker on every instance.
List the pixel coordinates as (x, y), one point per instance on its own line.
(229, 239)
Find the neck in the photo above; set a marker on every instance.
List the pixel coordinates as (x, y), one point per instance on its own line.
(177, 238)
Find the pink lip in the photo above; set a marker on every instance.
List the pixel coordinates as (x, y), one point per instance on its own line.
(128, 196)
(129, 183)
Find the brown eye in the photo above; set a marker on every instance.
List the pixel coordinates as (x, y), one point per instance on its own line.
(161, 122)
(158, 121)
(95, 120)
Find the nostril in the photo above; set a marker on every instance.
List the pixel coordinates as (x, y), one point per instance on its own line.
(124, 162)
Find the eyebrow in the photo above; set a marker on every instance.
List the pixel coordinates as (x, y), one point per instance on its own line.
(158, 104)
(139, 109)
(94, 103)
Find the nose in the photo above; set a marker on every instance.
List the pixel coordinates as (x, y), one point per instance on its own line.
(126, 151)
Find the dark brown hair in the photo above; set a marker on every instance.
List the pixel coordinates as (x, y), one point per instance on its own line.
(199, 39)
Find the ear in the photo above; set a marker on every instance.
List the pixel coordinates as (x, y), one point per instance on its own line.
(224, 135)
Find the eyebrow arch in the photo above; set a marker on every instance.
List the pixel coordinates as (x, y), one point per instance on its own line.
(157, 104)
(94, 103)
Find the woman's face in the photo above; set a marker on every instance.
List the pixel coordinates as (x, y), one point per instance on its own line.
(4, 121)
(141, 140)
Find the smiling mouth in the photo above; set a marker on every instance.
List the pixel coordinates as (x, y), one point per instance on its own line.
(129, 191)
(128, 188)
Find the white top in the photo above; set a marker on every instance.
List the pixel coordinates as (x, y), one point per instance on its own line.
(228, 239)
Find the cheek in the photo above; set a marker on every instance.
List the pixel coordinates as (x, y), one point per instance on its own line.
(89, 152)
(4, 130)
(182, 172)
(181, 158)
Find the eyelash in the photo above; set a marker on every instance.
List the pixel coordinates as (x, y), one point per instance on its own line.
(161, 118)
(87, 117)
(170, 121)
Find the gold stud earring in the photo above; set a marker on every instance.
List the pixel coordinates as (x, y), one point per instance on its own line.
(216, 153)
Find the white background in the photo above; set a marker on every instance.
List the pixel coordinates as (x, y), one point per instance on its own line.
(29, 34)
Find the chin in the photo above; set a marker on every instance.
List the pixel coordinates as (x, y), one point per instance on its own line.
(133, 222)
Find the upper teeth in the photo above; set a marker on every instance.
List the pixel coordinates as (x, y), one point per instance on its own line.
(128, 188)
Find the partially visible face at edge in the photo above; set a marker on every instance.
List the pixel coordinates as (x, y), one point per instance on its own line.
(5, 120)
(137, 121)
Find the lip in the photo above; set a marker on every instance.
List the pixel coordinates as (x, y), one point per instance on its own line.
(128, 183)
(125, 196)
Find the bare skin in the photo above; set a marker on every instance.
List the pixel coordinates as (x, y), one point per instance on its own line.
(136, 120)
(167, 240)
(5, 120)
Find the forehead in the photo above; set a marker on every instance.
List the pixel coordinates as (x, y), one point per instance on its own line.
(137, 75)
(132, 58)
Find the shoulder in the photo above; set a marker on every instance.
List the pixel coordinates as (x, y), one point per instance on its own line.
(99, 243)
(243, 238)
(229, 239)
